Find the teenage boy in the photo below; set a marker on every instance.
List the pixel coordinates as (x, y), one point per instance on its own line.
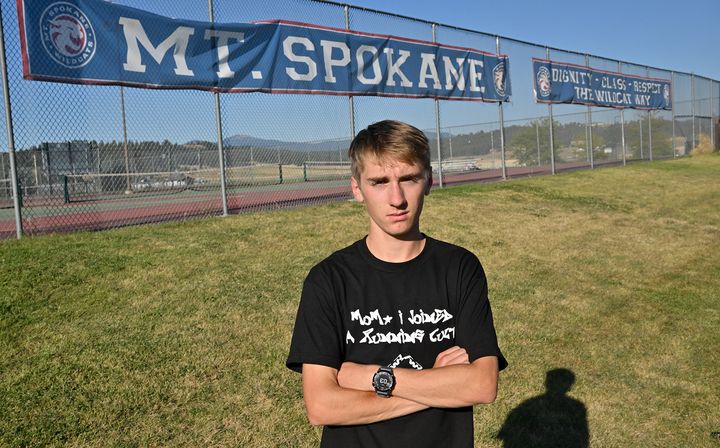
(394, 334)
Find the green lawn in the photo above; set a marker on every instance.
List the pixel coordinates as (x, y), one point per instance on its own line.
(176, 334)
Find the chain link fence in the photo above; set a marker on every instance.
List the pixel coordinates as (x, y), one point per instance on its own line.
(96, 157)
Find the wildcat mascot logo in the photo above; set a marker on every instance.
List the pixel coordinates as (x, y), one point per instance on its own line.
(67, 35)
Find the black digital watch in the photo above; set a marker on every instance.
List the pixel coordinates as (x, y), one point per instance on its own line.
(383, 381)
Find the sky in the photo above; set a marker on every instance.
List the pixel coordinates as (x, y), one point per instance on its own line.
(674, 35)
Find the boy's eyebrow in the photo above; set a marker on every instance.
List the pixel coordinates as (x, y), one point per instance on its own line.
(408, 176)
(412, 175)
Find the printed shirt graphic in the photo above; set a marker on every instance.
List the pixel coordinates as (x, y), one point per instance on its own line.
(408, 330)
(357, 308)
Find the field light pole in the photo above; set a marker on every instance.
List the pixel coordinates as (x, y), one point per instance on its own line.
(218, 122)
(10, 136)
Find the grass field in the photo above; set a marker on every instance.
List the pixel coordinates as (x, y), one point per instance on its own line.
(176, 334)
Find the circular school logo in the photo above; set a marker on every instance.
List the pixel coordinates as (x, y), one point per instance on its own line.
(67, 35)
(543, 81)
(499, 79)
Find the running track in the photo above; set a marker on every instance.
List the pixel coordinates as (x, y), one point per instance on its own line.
(71, 217)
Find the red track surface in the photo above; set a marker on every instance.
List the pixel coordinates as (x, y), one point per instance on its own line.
(136, 211)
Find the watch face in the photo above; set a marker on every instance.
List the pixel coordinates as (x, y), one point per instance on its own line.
(383, 381)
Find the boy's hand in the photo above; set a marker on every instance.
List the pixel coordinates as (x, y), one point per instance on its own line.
(450, 357)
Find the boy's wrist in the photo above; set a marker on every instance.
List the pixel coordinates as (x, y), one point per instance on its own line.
(357, 376)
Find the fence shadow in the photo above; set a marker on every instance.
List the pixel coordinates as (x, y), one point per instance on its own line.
(552, 419)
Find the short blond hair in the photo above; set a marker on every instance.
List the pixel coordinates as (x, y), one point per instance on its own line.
(389, 139)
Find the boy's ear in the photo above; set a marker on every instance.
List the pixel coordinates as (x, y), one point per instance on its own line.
(428, 184)
(355, 186)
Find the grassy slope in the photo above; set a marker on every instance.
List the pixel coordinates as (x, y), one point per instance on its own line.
(176, 334)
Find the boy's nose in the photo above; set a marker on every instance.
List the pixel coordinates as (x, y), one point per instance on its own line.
(397, 195)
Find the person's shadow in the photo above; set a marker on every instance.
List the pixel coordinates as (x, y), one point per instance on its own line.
(552, 419)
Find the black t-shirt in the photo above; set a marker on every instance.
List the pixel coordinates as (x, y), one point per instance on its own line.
(356, 307)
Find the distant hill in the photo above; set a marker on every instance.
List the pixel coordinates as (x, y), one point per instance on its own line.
(317, 146)
(324, 145)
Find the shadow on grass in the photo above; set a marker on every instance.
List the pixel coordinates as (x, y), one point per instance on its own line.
(552, 419)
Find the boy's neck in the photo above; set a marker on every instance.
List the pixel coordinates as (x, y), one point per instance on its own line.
(395, 250)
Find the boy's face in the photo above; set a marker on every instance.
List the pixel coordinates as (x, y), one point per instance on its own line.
(393, 193)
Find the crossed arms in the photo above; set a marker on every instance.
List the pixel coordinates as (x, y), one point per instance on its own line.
(346, 396)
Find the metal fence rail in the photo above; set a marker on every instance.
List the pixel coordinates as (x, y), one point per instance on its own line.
(96, 157)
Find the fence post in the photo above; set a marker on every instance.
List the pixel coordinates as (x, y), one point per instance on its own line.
(552, 137)
(622, 124)
(66, 191)
(650, 142)
(588, 124)
(437, 126)
(642, 153)
(502, 120)
(712, 116)
(2, 166)
(672, 110)
(218, 124)
(351, 100)
(649, 114)
(10, 136)
(692, 107)
(622, 135)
